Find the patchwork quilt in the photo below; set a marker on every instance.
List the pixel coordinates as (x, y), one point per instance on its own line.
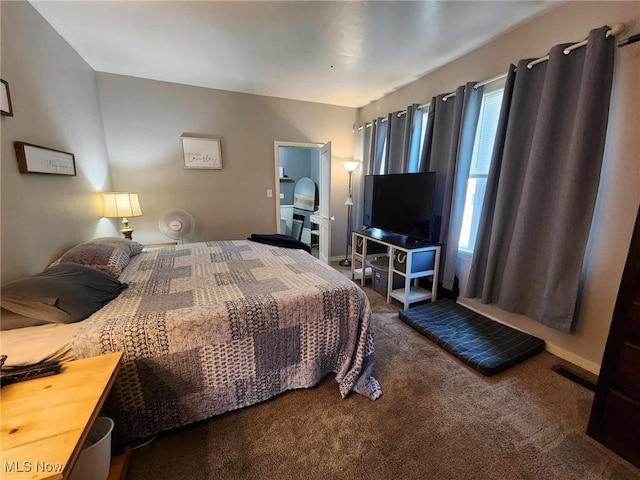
(211, 327)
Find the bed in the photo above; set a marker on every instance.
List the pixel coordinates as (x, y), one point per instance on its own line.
(210, 327)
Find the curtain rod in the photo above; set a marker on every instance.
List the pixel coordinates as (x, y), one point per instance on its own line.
(367, 125)
(617, 29)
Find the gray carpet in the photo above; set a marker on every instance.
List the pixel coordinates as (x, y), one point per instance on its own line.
(437, 419)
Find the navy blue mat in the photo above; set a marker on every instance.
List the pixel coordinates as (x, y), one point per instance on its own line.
(489, 347)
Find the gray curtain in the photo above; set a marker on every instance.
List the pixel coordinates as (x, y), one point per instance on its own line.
(412, 139)
(403, 140)
(369, 148)
(357, 179)
(448, 147)
(369, 134)
(395, 158)
(401, 135)
(378, 142)
(543, 182)
(425, 157)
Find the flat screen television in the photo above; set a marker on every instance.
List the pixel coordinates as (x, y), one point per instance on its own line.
(400, 203)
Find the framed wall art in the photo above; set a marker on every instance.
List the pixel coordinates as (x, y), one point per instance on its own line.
(5, 99)
(201, 152)
(37, 159)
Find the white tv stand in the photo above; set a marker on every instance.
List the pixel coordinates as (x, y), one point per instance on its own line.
(408, 258)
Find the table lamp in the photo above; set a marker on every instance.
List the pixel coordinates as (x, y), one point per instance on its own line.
(121, 204)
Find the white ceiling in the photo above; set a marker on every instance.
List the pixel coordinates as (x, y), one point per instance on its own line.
(341, 53)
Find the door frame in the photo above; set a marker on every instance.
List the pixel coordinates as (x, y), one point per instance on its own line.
(276, 145)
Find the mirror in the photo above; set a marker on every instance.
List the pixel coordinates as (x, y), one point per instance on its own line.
(304, 195)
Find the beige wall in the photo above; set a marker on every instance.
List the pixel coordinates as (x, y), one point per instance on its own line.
(144, 120)
(619, 193)
(55, 104)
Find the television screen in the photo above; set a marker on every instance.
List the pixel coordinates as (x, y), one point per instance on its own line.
(400, 203)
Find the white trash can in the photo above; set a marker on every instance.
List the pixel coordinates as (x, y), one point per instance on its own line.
(95, 458)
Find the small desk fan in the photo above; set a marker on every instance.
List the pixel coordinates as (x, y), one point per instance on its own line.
(177, 223)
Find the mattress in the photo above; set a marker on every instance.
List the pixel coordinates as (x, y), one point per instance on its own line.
(210, 327)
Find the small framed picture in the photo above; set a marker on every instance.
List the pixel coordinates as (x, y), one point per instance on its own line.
(5, 100)
(201, 152)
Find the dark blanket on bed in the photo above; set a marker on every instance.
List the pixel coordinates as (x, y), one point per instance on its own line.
(279, 240)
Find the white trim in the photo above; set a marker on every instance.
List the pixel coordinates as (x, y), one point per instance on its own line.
(573, 358)
(549, 347)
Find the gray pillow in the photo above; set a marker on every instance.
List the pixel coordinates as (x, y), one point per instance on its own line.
(107, 257)
(134, 247)
(64, 293)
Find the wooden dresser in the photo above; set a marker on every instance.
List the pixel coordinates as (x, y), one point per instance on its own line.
(615, 415)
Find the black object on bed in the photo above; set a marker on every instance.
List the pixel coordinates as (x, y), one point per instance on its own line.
(489, 347)
(279, 240)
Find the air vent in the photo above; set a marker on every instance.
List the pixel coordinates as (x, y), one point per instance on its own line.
(575, 377)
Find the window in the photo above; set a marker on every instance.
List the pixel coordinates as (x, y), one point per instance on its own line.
(423, 131)
(380, 153)
(383, 159)
(480, 162)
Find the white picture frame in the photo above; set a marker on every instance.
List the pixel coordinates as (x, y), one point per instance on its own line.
(201, 153)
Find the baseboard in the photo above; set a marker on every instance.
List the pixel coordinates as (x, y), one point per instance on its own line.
(549, 347)
(573, 358)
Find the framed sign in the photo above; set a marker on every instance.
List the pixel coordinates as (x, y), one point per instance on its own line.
(37, 159)
(5, 100)
(200, 152)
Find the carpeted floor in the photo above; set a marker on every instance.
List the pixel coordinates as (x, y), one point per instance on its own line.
(437, 419)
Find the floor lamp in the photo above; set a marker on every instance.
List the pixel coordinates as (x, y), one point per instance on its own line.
(350, 166)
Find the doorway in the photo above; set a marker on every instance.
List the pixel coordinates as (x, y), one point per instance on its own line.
(303, 185)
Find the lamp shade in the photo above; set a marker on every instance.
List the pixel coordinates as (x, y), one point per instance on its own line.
(119, 204)
(350, 165)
